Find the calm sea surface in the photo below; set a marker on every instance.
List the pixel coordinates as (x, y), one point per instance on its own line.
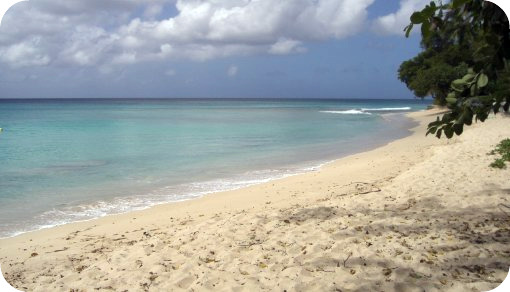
(69, 160)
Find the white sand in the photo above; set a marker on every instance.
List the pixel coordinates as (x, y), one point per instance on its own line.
(417, 214)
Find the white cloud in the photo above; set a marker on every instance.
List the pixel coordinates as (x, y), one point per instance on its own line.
(395, 23)
(24, 54)
(286, 46)
(104, 33)
(232, 71)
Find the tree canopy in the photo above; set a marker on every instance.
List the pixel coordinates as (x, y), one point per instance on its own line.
(465, 62)
(431, 72)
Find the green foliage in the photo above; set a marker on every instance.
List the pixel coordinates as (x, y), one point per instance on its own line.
(433, 70)
(503, 150)
(465, 63)
(498, 163)
(431, 73)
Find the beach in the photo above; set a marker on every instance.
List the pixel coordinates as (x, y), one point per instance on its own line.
(71, 160)
(416, 214)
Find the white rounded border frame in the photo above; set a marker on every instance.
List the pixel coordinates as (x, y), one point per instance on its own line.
(7, 4)
(504, 5)
(4, 286)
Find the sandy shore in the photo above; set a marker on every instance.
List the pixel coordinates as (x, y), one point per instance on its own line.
(417, 214)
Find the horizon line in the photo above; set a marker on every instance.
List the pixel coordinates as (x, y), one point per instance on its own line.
(206, 98)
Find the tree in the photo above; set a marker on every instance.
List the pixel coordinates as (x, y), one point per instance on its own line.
(431, 73)
(470, 41)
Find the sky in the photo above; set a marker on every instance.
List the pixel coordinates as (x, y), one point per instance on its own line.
(206, 48)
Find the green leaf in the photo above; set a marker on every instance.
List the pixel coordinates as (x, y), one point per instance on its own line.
(459, 82)
(496, 107)
(448, 131)
(483, 80)
(458, 89)
(459, 85)
(417, 18)
(438, 133)
(425, 29)
(451, 100)
(469, 78)
(468, 120)
(457, 3)
(408, 29)
(458, 128)
(429, 11)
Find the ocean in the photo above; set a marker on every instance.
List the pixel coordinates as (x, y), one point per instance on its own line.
(68, 160)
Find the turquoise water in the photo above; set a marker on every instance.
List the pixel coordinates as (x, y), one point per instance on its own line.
(68, 160)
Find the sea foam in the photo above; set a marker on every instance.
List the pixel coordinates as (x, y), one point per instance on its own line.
(387, 109)
(366, 111)
(347, 112)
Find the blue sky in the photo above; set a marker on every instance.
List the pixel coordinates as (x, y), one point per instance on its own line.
(206, 48)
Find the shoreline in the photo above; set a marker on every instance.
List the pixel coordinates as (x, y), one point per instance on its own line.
(285, 171)
(362, 221)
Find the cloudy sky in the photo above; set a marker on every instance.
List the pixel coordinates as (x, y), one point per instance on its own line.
(206, 48)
